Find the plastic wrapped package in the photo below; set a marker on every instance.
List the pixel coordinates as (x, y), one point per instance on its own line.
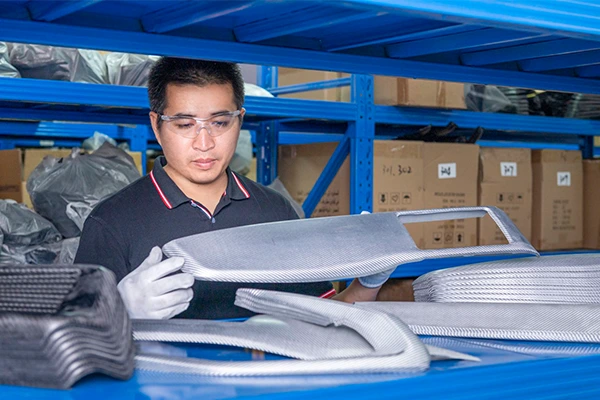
(253, 90)
(242, 158)
(58, 63)
(6, 69)
(487, 99)
(129, 69)
(94, 142)
(21, 226)
(79, 178)
(279, 187)
(68, 250)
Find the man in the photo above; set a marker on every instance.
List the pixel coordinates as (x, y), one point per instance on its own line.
(196, 117)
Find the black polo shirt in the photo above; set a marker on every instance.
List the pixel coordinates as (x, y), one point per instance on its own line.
(121, 231)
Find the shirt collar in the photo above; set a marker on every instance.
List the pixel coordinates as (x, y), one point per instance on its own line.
(172, 196)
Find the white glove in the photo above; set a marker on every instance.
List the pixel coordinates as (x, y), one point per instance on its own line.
(375, 280)
(148, 292)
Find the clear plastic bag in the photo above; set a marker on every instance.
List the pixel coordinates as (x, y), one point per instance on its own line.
(6, 69)
(58, 63)
(278, 186)
(487, 99)
(79, 178)
(242, 158)
(68, 250)
(129, 69)
(94, 142)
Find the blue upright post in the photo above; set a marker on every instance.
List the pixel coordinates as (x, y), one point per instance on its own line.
(267, 135)
(361, 145)
(587, 149)
(138, 141)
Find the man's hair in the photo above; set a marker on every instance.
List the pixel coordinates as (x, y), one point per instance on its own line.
(184, 71)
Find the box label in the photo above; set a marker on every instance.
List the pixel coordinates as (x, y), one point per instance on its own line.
(508, 169)
(563, 178)
(447, 171)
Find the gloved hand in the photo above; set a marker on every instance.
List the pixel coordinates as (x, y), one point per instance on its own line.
(375, 280)
(149, 293)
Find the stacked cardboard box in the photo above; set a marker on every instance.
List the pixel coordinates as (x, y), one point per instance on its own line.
(591, 211)
(387, 90)
(505, 182)
(557, 200)
(406, 176)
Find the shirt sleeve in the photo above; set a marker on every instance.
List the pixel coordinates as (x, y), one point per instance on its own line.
(100, 245)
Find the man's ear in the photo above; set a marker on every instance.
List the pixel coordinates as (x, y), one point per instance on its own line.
(154, 122)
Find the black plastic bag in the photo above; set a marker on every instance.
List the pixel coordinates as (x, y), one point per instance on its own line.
(84, 179)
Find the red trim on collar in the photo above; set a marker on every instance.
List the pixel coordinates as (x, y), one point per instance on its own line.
(242, 188)
(160, 192)
(328, 294)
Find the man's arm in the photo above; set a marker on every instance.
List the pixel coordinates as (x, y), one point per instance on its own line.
(357, 292)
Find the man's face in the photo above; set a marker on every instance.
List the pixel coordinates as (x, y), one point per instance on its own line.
(203, 159)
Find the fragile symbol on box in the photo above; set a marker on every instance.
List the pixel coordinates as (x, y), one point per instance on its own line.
(519, 198)
(383, 198)
(460, 237)
(563, 178)
(395, 198)
(508, 169)
(501, 197)
(406, 198)
(447, 171)
(437, 237)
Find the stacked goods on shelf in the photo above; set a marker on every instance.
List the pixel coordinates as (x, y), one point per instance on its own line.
(6, 69)
(406, 176)
(60, 323)
(591, 211)
(64, 187)
(58, 63)
(505, 181)
(387, 90)
(557, 200)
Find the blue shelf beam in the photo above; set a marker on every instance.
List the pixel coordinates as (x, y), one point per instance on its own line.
(313, 17)
(592, 71)
(146, 43)
(416, 116)
(528, 51)
(459, 41)
(48, 11)
(175, 16)
(306, 87)
(561, 62)
(394, 34)
(571, 18)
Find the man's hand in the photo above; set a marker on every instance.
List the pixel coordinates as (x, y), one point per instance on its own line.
(376, 280)
(149, 293)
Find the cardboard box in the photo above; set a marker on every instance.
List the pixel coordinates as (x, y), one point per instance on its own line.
(299, 168)
(406, 176)
(418, 92)
(557, 200)
(591, 211)
(293, 76)
(10, 175)
(398, 179)
(387, 90)
(505, 181)
(450, 180)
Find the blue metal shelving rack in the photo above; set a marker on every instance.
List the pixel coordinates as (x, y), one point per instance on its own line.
(552, 45)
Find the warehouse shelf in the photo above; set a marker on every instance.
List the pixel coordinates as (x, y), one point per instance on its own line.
(546, 45)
